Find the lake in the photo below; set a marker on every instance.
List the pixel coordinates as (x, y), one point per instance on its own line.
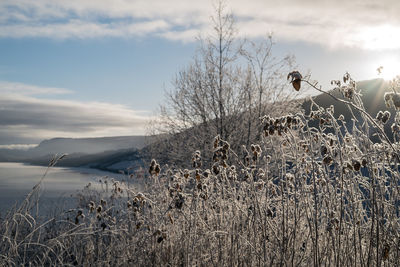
(18, 179)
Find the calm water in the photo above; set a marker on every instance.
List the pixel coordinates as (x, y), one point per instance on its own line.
(17, 180)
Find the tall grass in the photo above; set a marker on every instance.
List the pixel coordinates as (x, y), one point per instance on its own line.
(314, 191)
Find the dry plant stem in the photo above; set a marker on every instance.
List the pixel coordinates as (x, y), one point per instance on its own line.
(316, 258)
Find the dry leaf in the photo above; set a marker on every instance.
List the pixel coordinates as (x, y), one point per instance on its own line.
(296, 84)
(295, 79)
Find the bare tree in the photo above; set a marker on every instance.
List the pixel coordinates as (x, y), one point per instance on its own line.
(216, 95)
(267, 72)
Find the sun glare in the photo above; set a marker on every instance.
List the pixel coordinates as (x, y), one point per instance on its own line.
(388, 68)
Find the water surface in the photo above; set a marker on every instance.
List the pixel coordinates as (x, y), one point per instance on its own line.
(18, 179)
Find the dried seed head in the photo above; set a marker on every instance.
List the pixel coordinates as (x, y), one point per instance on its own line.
(383, 116)
(379, 115)
(386, 116)
(216, 141)
(157, 169)
(395, 128)
(215, 169)
(327, 160)
(153, 162)
(140, 196)
(179, 201)
(385, 254)
(364, 162)
(186, 173)
(396, 101)
(356, 165)
(323, 150)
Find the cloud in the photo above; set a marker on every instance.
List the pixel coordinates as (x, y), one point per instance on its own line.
(333, 24)
(18, 146)
(26, 89)
(82, 29)
(26, 119)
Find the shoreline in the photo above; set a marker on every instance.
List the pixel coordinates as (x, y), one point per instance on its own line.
(82, 169)
(60, 184)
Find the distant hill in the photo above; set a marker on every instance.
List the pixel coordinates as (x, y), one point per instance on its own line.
(90, 145)
(112, 161)
(372, 92)
(82, 151)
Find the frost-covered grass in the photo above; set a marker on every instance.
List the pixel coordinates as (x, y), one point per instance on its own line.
(324, 195)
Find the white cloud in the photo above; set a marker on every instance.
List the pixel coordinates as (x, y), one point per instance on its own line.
(27, 89)
(25, 119)
(339, 23)
(184, 35)
(82, 29)
(18, 146)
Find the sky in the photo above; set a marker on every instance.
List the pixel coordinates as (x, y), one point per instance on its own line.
(90, 68)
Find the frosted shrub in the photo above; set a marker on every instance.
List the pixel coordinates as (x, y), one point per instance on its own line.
(313, 191)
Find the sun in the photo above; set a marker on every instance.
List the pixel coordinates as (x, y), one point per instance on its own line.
(388, 68)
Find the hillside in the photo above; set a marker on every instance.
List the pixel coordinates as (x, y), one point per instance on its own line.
(81, 151)
(112, 161)
(89, 145)
(372, 93)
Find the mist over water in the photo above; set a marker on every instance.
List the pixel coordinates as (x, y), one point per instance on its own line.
(18, 179)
